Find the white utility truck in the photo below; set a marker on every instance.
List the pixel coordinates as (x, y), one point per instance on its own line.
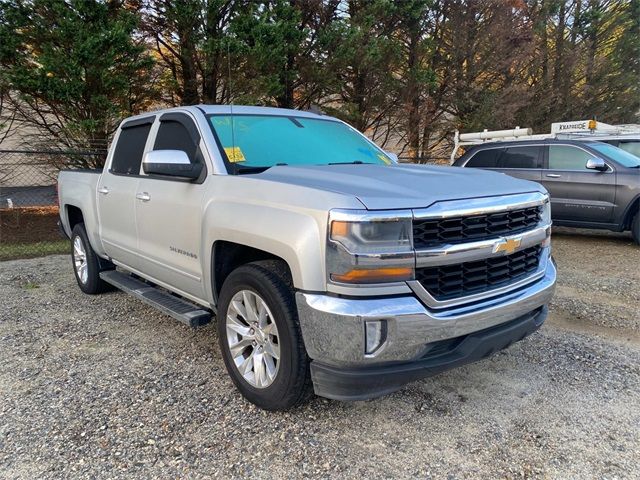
(626, 137)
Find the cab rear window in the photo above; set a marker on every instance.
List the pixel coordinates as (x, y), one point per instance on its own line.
(127, 156)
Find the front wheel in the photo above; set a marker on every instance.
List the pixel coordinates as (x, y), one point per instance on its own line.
(260, 337)
(86, 265)
(635, 228)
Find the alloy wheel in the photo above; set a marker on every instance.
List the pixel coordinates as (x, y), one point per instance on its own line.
(80, 260)
(252, 337)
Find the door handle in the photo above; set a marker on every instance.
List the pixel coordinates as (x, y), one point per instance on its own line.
(144, 196)
(103, 190)
(553, 175)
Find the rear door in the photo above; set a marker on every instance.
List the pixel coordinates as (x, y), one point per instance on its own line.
(577, 193)
(523, 162)
(169, 212)
(117, 190)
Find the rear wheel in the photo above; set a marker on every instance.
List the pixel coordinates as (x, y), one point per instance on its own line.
(260, 337)
(86, 264)
(635, 228)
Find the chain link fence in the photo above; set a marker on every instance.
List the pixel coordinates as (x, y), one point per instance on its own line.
(424, 160)
(29, 203)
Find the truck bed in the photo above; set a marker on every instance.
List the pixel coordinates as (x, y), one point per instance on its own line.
(77, 188)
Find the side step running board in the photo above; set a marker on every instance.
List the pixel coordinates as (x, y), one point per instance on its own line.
(178, 308)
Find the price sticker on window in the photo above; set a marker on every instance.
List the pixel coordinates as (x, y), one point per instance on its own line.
(234, 154)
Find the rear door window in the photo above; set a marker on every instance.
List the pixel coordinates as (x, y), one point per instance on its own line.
(485, 158)
(127, 156)
(527, 156)
(567, 157)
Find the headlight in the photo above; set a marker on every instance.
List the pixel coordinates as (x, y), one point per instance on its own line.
(370, 247)
(545, 219)
(546, 212)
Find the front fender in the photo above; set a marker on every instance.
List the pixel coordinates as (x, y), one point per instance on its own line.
(295, 236)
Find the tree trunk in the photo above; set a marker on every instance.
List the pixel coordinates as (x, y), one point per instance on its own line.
(413, 91)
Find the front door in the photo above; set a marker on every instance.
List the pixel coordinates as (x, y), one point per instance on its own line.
(577, 193)
(169, 216)
(117, 191)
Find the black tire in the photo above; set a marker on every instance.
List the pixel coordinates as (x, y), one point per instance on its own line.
(292, 383)
(635, 228)
(93, 283)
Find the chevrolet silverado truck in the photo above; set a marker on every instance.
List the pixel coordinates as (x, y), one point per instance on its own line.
(329, 267)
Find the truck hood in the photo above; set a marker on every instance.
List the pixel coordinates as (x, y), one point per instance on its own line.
(380, 187)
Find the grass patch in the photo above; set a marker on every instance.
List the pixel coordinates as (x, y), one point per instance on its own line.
(12, 251)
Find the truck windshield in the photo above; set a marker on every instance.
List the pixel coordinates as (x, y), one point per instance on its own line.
(623, 158)
(261, 141)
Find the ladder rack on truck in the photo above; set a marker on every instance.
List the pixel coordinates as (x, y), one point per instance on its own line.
(579, 129)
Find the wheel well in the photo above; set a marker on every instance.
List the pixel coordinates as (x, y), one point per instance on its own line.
(227, 256)
(74, 216)
(633, 209)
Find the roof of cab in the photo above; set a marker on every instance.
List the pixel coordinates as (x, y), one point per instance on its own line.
(235, 109)
(247, 110)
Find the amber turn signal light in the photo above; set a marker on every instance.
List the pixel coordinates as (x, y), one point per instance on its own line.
(379, 275)
(339, 229)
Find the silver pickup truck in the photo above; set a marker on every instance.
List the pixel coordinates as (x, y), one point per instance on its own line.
(329, 267)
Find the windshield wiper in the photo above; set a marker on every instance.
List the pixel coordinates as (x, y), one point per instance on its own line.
(356, 162)
(242, 169)
(248, 169)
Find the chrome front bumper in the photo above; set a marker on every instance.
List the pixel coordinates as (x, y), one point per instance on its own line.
(333, 328)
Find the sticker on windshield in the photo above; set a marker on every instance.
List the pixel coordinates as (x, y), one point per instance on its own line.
(384, 159)
(234, 154)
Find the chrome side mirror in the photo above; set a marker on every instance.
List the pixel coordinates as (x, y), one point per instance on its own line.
(171, 163)
(596, 164)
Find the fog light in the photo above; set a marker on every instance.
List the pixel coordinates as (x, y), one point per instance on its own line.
(547, 241)
(375, 334)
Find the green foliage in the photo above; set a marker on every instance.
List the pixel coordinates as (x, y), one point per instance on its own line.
(12, 251)
(405, 72)
(76, 63)
(30, 285)
(272, 36)
(362, 57)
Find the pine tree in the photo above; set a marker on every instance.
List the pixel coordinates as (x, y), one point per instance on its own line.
(74, 68)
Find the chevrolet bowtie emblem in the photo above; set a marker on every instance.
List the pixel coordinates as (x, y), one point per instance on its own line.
(508, 245)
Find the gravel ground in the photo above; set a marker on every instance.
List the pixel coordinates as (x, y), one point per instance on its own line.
(105, 387)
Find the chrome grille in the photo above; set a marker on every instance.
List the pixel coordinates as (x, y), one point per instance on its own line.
(444, 282)
(437, 231)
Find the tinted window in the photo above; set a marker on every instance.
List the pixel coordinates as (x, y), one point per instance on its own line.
(522, 157)
(127, 156)
(173, 135)
(267, 140)
(565, 157)
(632, 147)
(485, 158)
